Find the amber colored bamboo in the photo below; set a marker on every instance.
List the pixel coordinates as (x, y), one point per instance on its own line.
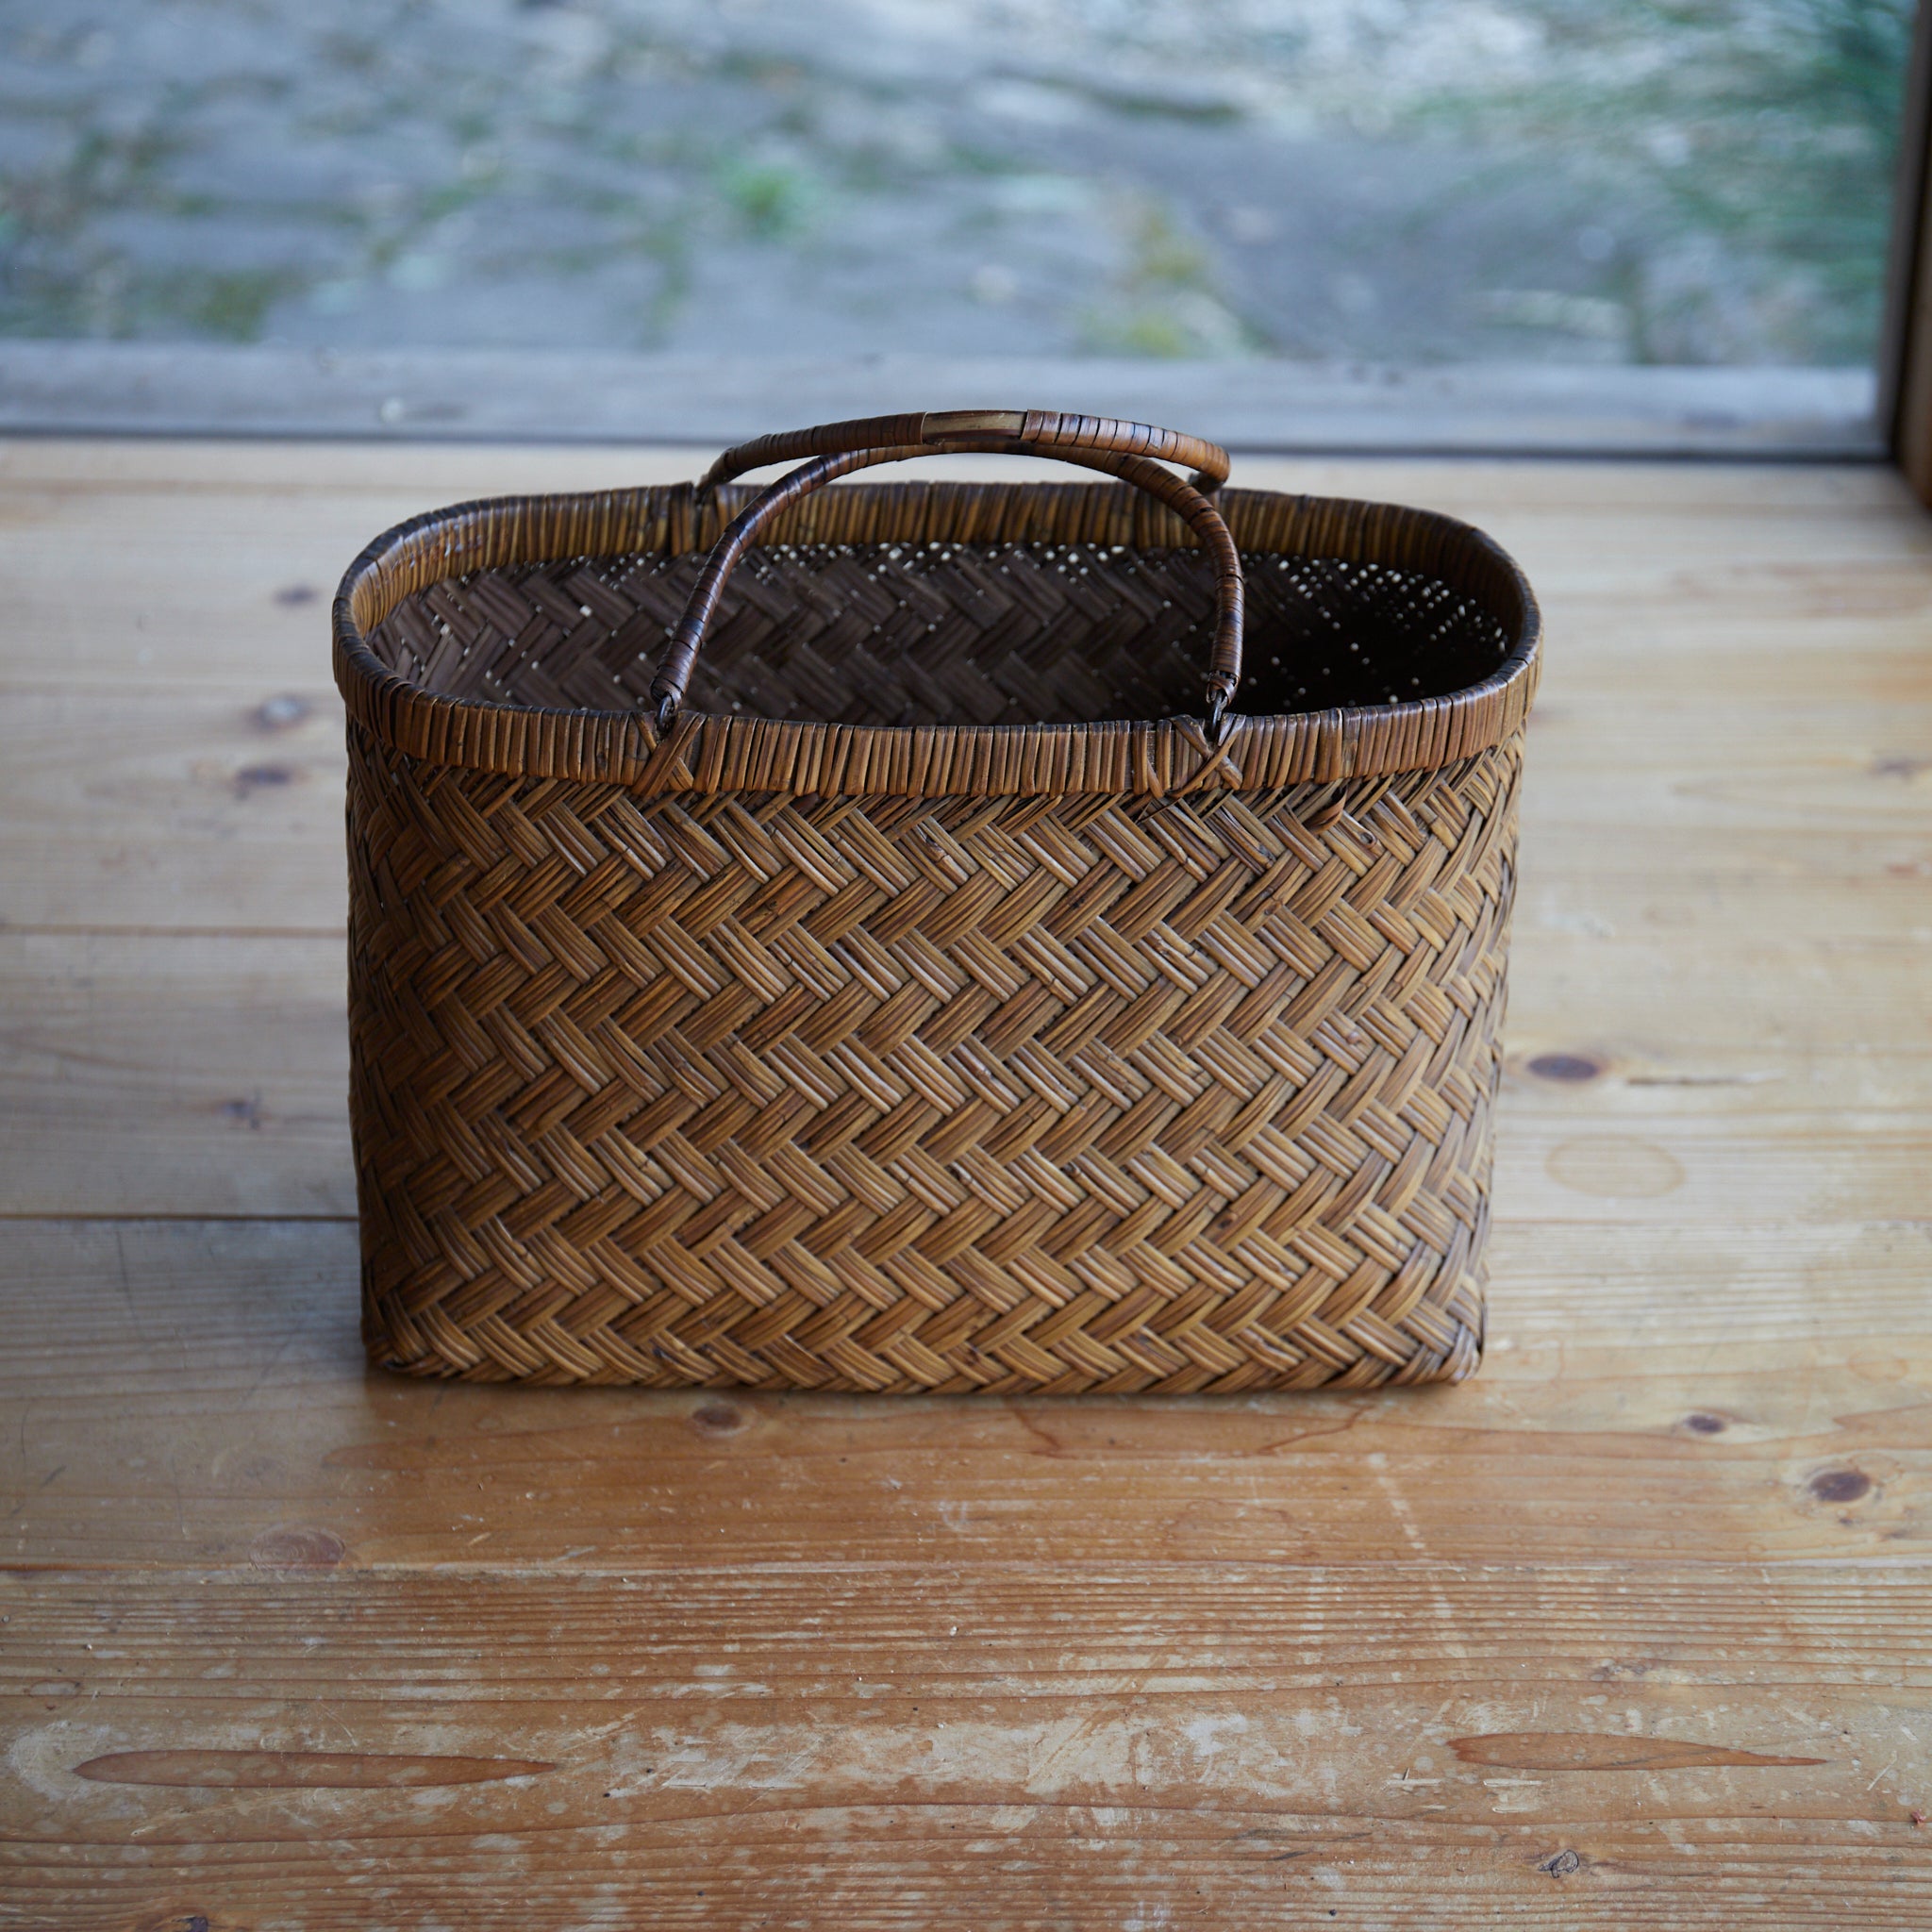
(856, 1038)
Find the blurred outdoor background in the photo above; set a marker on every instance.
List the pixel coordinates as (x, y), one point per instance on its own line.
(1398, 181)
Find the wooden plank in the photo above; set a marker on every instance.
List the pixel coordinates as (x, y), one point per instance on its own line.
(246, 1288)
(220, 808)
(757, 1636)
(216, 818)
(131, 561)
(1198, 1643)
(1676, 501)
(205, 794)
(174, 1076)
(197, 1075)
(194, 1397)
(842, 1744)
(215, 809)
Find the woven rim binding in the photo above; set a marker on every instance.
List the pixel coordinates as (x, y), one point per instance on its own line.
(709, 754)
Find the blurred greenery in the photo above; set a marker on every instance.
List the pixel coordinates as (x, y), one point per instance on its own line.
(1665, 181)
(771, 200)
(1769, 125)
(1165, 301)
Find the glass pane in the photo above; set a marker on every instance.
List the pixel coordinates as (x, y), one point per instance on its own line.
(1392, 181)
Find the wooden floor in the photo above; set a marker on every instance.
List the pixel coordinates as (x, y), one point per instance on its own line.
(1634, 1630)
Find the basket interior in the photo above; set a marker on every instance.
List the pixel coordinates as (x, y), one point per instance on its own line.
(938, 632)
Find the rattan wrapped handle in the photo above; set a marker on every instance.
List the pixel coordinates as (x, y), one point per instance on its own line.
(1043, 432)
(1225, 667)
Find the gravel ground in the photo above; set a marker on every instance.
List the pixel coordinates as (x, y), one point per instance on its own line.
(1389, 180)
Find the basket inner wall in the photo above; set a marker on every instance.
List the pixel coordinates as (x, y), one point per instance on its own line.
(936, 632)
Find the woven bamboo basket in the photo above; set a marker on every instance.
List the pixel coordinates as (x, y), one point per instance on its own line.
(1012, 936)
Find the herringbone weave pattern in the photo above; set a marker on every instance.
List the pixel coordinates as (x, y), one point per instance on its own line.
(896, 1092)
(1006, 937)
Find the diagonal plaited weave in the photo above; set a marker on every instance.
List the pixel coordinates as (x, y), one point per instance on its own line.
(885, 1052)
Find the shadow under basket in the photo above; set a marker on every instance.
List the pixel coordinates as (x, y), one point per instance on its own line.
(938, 1001)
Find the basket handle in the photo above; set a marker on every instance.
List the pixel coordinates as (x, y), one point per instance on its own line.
(1042, 431)
(1225, 668)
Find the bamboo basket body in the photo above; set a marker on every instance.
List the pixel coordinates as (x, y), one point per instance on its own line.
(878, 1054)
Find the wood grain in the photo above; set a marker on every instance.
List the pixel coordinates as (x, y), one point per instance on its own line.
(221, 811)
(191, 1395)
(154, 1073)
(1631, 558)
(827, 1742)
(171, 1074)
(1630, 1631)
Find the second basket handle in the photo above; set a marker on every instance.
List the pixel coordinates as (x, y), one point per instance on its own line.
(1225, 667)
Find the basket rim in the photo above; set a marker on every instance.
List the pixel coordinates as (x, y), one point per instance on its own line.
(707, 752)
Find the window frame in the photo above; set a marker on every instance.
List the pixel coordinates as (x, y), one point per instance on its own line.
(1904, 366)
(148, 389)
